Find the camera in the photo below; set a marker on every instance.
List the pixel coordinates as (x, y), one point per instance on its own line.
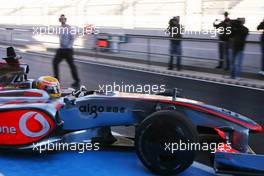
(174, 21)
(236, 24)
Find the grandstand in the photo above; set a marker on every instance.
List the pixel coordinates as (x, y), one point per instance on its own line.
(253, 10)
(195, 14)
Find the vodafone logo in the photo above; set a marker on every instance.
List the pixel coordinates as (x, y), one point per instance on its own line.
(33, 124)
(24, 126)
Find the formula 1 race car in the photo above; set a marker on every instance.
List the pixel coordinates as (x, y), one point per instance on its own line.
(30, 118)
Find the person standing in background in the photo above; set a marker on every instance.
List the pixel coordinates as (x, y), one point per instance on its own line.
(261, 27)
(174, 30)
(66, 51)
(238, 37)
(224, 42)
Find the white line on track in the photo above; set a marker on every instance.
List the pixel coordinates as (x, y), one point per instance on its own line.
(153, 72)
(165, 74)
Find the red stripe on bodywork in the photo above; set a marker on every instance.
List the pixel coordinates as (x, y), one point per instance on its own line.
(32, 94)
(220, 133)
(257, 127)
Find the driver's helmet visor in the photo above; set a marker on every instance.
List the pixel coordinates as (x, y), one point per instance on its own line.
(54, 89)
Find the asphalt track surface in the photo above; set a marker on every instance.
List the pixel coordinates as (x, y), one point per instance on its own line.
(101, 163)
(246, 101)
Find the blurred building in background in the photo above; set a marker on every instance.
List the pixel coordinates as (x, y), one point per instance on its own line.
(130, 14)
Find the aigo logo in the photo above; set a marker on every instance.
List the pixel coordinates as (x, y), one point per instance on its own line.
(30, 126)
(33, 124)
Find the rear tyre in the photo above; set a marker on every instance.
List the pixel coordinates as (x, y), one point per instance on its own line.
(156, 133)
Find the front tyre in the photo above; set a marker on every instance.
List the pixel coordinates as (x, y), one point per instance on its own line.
(158, 134)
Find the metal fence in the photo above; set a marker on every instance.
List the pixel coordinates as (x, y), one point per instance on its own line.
(142, 49)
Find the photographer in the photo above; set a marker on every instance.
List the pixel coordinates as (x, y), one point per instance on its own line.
(174, 30)
(224, 36)
(238, 38)
(261, 27)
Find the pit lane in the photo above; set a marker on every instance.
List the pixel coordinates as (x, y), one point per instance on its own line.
(246, 101)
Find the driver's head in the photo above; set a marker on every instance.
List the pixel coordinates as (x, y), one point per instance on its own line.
(50, 84)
